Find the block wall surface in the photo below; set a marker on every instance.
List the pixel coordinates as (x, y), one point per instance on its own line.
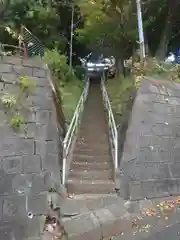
(30, 161)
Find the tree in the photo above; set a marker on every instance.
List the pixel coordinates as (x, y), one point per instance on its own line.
(161, 18)
(29, 13)
(109, 27)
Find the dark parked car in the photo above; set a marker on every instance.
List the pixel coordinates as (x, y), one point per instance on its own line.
(96, 65)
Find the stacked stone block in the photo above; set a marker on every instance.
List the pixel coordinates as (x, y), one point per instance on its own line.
(150, 163)
(29, 160)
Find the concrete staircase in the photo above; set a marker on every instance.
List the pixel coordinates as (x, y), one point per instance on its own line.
(91, 169)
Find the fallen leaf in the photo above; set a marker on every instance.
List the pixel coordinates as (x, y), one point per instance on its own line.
(178, 201)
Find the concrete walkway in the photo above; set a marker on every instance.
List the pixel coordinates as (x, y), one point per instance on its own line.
(111, 217)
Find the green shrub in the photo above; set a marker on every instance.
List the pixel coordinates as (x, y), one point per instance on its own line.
(69, 88)
(57, 62)
(80, 72)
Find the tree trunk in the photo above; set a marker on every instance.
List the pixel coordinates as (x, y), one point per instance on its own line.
(146, 43)
(4, 4)
(162, 49)
(120, 69)
(147, 49)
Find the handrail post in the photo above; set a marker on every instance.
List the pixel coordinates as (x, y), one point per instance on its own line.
(116, 151)
(64, 164)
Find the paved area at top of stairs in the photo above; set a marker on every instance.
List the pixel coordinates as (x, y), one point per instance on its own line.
(112, 218)
(150, 163)
(158, 219)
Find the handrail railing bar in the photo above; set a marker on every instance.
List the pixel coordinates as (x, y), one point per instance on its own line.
(72, 128)
(109, 105)
(112, 125)
(74, 118)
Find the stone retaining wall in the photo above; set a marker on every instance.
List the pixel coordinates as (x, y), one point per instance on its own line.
(150, 160)
(29, 160)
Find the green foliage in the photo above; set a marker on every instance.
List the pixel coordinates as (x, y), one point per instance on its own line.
(174, 73)
(121, 91)
(26, 84)
(80, 72)
(29, 13)
(155, 68)
(109, 26)
(8, 100)
(13, 104)
(58, 64)
(17, 121)
(69, 88)
(70, 94)
(158, 67)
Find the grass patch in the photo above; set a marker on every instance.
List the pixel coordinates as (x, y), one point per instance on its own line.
(70, 94)
(121, 93)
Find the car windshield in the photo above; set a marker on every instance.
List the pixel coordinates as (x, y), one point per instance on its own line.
(95, 59)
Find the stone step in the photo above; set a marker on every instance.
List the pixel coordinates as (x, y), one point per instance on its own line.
(90, 187)
(90, 119)
(90, 202)
(92, 151)
(99, 143)
(91, 175)
(92, 197)
(99, 119)
(91, 166)
(100, 122)
(81, 166)
(89, 158)
(89, 132)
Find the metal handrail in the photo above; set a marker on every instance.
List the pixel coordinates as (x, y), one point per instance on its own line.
(111, 123)
(73, 127)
